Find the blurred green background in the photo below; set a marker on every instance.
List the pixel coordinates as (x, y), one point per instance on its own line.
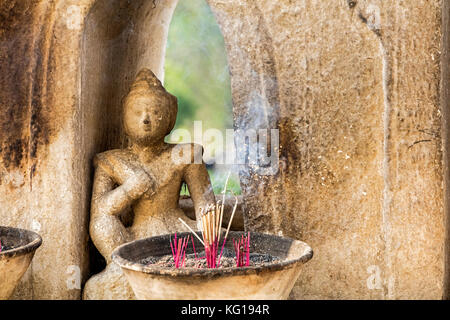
(196, 71)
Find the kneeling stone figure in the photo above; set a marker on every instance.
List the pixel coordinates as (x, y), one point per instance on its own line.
(136, 190)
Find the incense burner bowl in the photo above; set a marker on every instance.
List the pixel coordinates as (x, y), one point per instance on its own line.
(15, 259)
(270, 281)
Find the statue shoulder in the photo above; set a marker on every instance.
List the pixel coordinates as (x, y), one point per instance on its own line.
(117, 164)
(108, 158)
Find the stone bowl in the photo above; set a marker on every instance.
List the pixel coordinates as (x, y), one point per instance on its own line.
(15, 261)
(270, 281)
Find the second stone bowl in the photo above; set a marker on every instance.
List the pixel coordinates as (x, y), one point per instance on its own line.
(270, 281)
(15, 258)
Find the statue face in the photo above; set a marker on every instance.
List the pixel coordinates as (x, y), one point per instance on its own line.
(147, 118)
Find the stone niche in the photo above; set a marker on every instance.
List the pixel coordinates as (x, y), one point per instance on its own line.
(358, 90)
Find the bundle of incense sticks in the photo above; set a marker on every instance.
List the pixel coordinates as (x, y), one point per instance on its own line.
(212, 218)
(242, 250)
(211, 224)
(179, 250)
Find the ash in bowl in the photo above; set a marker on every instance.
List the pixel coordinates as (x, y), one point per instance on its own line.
(198, 261)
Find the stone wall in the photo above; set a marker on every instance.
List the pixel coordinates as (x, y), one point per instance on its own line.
(445, 105)
(61, 81)
(356, 89)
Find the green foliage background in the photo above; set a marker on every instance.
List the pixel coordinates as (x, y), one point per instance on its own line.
(197, 68)
(196, 71)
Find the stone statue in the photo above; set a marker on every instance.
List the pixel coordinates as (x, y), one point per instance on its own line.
(142, 183)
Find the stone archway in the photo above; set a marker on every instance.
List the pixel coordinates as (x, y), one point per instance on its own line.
(120, 38)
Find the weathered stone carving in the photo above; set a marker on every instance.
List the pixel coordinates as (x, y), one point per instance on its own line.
(143, 178)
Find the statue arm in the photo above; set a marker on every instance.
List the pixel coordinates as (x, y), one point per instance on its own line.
(197, 179)
(106, 229)
(109, 200)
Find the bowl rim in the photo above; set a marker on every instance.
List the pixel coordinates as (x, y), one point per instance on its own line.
(27, 248)
(196, 272)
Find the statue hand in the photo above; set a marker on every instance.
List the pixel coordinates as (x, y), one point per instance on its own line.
(138, 183)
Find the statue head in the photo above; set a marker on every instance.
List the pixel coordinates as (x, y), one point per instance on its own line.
(150, 111)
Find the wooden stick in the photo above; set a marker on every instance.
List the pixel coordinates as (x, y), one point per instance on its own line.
(208, 220)
(223, 205)
(220, 221)
(193, 232)
(205, 231)
(218, 226)
(213, 217)
(206, 228)
(232, 216)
